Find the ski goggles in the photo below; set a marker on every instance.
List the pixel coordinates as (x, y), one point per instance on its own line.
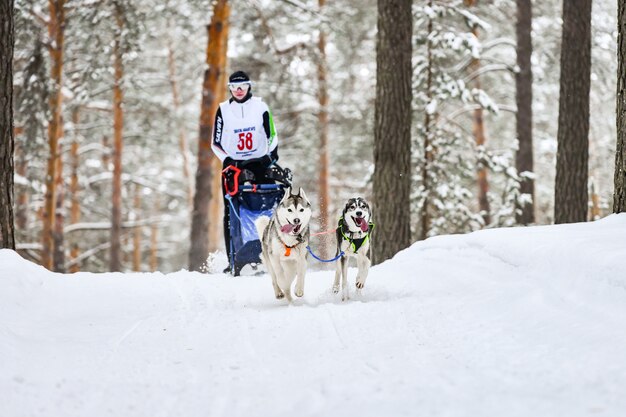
(244, 86)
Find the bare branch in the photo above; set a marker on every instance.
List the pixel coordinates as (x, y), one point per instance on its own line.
(472, 107)
(489, 68)
(270, 33)
(107, 225)
(39, 17)
(87, 254)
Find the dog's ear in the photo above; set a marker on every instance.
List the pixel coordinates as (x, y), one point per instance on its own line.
(286, 195)
(303, 196)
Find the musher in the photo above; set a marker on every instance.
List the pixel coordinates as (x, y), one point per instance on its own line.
(244, 136)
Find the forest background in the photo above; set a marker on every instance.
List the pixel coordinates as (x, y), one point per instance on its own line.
(314, 63)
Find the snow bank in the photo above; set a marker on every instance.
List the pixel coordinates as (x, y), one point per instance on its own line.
(505, 322)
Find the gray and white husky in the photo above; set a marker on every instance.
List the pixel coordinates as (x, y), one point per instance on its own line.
(284, 238)
(353, 238)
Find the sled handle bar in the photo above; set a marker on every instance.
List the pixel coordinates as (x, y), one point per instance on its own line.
(256, 187)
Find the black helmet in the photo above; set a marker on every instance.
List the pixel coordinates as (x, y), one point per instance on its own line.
(238, 77)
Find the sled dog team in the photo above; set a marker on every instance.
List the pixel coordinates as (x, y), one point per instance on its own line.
(285, 239)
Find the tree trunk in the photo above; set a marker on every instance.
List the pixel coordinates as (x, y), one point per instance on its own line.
(524, 116)
(21, 201)
(154, 260)
(137, 231)
(571, 195)
(216, 202)
(118, 124)
(322, 117)
(154, 229)
(7, 42)
(214, 78)
(106, 153)
(216, 205)
(392, 130)
(428, 155)
(75, 201)
(182, 137)
(58, 251)
(56, 28)
(479, 136)
(478, 129)
(596, 211)
(619, 196)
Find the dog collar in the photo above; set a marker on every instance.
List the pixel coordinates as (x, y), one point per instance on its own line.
(355, 243)
(288, 248)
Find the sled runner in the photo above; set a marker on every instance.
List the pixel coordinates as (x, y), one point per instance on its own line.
(249, 199)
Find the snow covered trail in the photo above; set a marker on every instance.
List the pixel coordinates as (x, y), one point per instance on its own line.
(506, 322)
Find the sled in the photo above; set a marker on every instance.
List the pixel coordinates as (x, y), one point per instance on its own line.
(248, 200)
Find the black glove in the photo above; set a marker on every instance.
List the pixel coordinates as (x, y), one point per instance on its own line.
(230, 161)
(264, 161)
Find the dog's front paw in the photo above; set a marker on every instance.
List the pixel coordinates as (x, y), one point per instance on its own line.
(360, 284)
(280, 295)
(335, 289)
(299, 293)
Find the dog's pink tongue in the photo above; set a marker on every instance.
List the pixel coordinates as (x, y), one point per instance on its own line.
(364, 226)
(288, 228)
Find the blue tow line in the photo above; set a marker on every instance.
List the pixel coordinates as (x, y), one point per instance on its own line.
(325, 260)
(229, 198)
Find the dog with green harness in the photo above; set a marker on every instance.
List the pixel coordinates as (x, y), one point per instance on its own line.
(353, 240)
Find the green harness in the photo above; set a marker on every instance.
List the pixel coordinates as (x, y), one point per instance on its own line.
(355, 243)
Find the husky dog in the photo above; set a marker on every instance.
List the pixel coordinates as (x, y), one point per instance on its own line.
(284, 238)
(353, 238)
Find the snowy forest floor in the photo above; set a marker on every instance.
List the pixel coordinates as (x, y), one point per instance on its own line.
(505, 322)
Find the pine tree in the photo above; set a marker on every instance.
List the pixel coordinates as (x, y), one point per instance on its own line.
(74, 189)
(7, 34)
(56, 32)
(478, 129)
(619, 196)
(115, 262)
(444, 200)
(31, 98)
(392, 131)
(214, 77)
(322, 116)
(571, 196)
(524, 115)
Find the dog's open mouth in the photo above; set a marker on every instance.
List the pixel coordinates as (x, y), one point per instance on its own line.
(291, 228)
(361, 223)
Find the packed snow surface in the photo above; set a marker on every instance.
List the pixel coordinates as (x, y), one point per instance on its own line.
(504, 322)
